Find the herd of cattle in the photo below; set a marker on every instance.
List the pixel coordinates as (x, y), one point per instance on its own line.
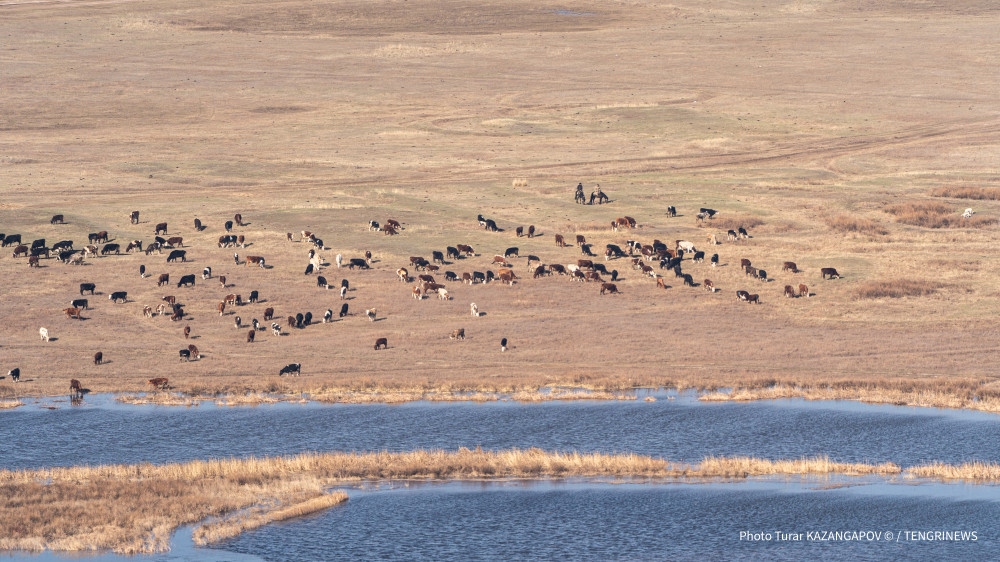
(642, 257)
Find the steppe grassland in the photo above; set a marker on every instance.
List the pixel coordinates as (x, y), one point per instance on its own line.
(322, 118)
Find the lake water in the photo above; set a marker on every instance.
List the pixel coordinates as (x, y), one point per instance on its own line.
(576, 519)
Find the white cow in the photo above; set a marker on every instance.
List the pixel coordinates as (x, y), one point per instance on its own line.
(968, 213)
(474, 309)
(443, 294)
(688, 247)
(44, 333)
(340, 259)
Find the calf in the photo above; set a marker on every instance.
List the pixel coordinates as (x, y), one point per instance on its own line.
(609, 288)
(98, 358)
(72, 312)
(789, 266)
(291, 369)
(715, 260)
(118, 296)
(709, 286)
(238, 218)
(531, 231)
(789, 291)
(186, 280)
(755, 299)
(134, 217)
(803, 291)
(161, 228)
(147, 312)
(458, 334)
(416, 293)
(539, 271)
(742, 295)
(163, 280)
(381, 343)
(829, 272)
(159, 383)
(389, 231)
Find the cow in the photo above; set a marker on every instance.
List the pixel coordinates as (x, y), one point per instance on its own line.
(182, 254)
(557, 268)
(184, 354)
(147, 312)
(186, 280)
(133, 245)
(309, 269)
(585, 263)
(609, 288)
(44, 333)
(254, 297)
(474, 309)
(40, 243)
(20, 250)
(291, 369)
(519, 231)
(500, 260)
(513, 251)
(458, 334)
(222, 308)
(742, 295)
(443, 294)
(358, 262)
(198, 226)
(163, 280)
(62, 245)
(250, 336)
(238, 218)
(299, 319)
(381, 343)
(327, 316)
(142, 272)
(660, 284)
(206, 273)
(231, 298)
(374, 226)
(222, 281)
(789, 266)
(698, 257)
(370, 313)
(491, 225)
(732, 235)
(671, 211)
(450, 276)
(255, 260)
(118, 296)
(227, 240)
(416, 293)
(79, 303)
(394, 223)
(161, 228)
(829, 272)
(268, 314)
(194, 351)
(40, 251)
(743, 232)
(72, 312)
(389, 231)
(966, 215)
(275, 328)
(789, 291)
(688, 280)
(11, 239)
(256, 324)
(307, 318)
(688, 247)
(403, 275)
(709, 286)
(762, 275)
(700, 217)
(150, 248)
(161, 309)
(531, 231)
(755, 299)
(176, 241)
(33, 261)
(187, 332)
(803, 291)
(98, 358)
(14, 374)
(715, 260)
(744, 263)
(74, 385)
(426, 278)
(321, 282)
(467, 278)
(134, 217)
(559, 241)
(159, 383)
(490, 276)
(343, 310)
(466, 250)
(229, 226)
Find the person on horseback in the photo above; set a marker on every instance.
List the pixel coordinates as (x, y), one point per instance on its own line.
(579, 197)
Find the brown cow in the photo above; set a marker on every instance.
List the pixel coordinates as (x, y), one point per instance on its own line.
(790, 266)
(709, 286)
(557, 268)
(382, 343)
(465, 249)
(388, 230)
(426, 278)
(580, 240)
(250, 335)
(222, 281)
(187, 332)
(789, 291)
(829, 271)
(403, 275)
(175, 241)
(507, 277)
(255, 260)
(33, 261)
(238, 219)
(194, 351)
(163, 280)
(467, 278)
(159, 383)
(19, 250)
(98, 358)
(268, 313)
(147, 312)
(394, 223)
(744, 263)
(585, 263)
(75, 387)
(169, 299)
(755, 299)
(609, 288)
(539, 271)
(803, 291)
(134, 217)
(559, 240)
(501, 260)
(416, 293)
(519, 231)
(458, 334)
(232, 298)
(222, 308)
(72, 313)
(660, 284)
(531, 231)
(161, 228)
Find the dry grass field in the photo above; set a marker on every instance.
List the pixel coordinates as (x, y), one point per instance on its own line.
(809, 121)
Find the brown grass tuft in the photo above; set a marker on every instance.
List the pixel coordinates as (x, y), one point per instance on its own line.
(976, 471)
(856, 225)
(933, 214)
(961, 192)
(896, 289)
(733, 222)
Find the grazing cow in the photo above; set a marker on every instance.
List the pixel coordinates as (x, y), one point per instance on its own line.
(762, 275)
(187, 332)
(134, 217)
(688, 280)
(966, 215)
(118, 296)
(614, 274)
(458, 334)
(394, 223)
(744, 263)
(231, 298)
(20, 250)
(403, 275)
(198, 226)
(452, 252)
(250, 336)
(59, 219)
(715, 260)
(660, 284)
(33, 261)
(186, 280)
(222, 281)
(238, 218)
(222, 308)
(503, 344)
(327, 316)
(491, 225)
(44, 333)
(381, 343)
(585, 250)
(803, 291)
(710, 212)
(194, 351)
(161, 309)
(358, 262)
(255, 260)
(133, 245)
(206, 273)
(416, 293)
(163, 280)
(698, 257)
(539, 271)
(72, 312)
(581, 240)
(414, 260)
(490, 276)
(177, 254)
(268, 314)
(755, 299)
(609, 288)
(291, 369)
(147, 312)
(671, 211)
(557, 268)
(531, 231)
(519, 231)
(374, 226)
(426, 278)
(237, 322)
(175, 241)
(150, 248)
(307, 318)
(437, 256)
(370, 313)
(559, 240)
(275, 329)
(161, 228)
(74, 385)
(743, 232)
(789, 266)
(184, 354)
(688, 247)
(14, 374)
(474, 309)
(466, 250)
(63, 245)
(40, 243)
(432, 268)
(789, 291)
(742, 295)
(98, 358)
(343, 310)
(709, 286)
(829, 272)
(732, 235)
(11, 239)
(229, 226)
(389, 231)
(159, 383)
(321, 282)
(227, 240)
(501, 260)
(254, 297)
(585, 263)
(510, 252)
(450, 276)
(750, 271)
(443, 294)
(309, 269)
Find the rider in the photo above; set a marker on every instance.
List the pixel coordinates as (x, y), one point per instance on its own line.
(579, 192)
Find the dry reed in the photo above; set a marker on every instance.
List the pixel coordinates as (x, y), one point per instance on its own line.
(733, 222)
(976, 471)
(933, 214)
(976, 193)
(896, 289)
(856, 225)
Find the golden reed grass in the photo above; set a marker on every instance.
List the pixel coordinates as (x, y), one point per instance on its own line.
(856, 225)
(135, 508)
(934, 214)
(976, 193)
(896, 288)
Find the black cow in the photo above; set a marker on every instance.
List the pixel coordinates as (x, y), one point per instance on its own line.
(229, 225)
(671, 211)
(87, 287)
(343, 310)
(291, 369)
(345, 284)
(79, 303)
(510, 252)
(614, 274)
(177, 254)
(253, 296)
(63, 245)
(307, 319)
(41, 251)
(453, 252)
(116, 296)
(185, 354)
(450, 276)
(57, 219)
(309, 269)
(715, 260)
(478, 277)
(491, 226)
(710, 212)
(14, 374)
(298, 320)
(64, 256)
(358, 262)
(321, 282)
(186, 280)
(438, 256)
(108, 248)
(11, 239)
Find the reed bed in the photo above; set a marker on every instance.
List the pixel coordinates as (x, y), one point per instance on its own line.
(896, 289)
(857, 225)
(934, 214)
(10, 404)
(976, 193)
(976, 471)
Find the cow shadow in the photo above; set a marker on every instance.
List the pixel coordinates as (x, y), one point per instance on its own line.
(50, 339)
